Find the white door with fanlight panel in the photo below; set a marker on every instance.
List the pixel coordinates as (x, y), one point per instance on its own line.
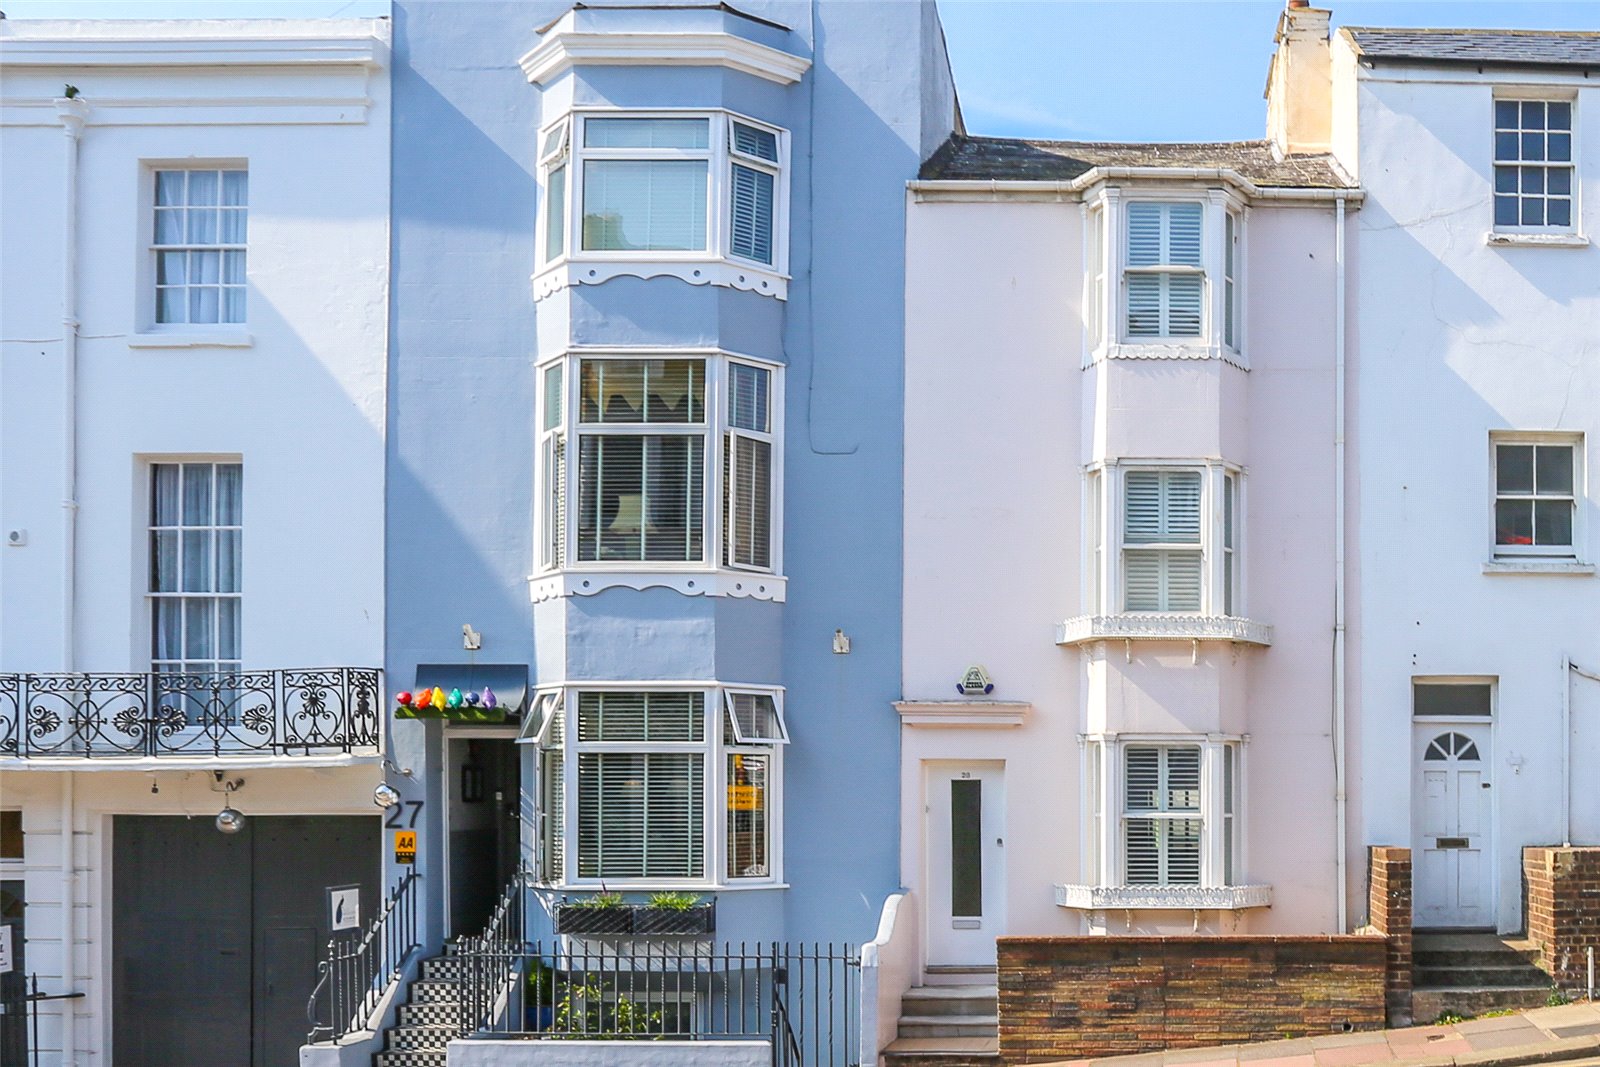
(1452, 830)
(964, 827)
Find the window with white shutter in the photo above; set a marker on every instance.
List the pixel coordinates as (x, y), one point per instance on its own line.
(1173, 804)
(753, 190)
(747, 469)
(1163, 558)
(1095, 272)
(1164, 273)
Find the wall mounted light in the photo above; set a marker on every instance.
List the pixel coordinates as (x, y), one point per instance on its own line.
(229, 820)
(385, 795)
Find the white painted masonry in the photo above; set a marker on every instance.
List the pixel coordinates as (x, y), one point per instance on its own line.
(92, 390)
(1463, 334)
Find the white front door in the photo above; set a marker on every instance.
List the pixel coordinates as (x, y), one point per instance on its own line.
(965, 832)
(1451, 825)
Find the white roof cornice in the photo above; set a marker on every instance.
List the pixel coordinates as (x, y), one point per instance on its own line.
(562, 49)
(186, 51)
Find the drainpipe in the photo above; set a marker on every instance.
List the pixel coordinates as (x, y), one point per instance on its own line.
(73, 113)
(1343, 902)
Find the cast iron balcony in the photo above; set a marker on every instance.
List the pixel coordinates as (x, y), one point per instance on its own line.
(324, 712)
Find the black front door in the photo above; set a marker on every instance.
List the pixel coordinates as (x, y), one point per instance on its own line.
(485, 839)
(216, 937)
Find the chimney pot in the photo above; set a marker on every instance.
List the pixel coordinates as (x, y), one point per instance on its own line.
(1299, 3)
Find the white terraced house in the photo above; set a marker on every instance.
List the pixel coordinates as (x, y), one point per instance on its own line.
(194, 299)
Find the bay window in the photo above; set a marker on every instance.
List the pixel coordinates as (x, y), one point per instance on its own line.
(1163, 539)
(1173, 804)
(668, 785)
(1164, 274)
(665, 187)
(659, 463)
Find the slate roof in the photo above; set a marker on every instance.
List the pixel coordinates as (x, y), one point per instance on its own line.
(1009, 159)
(1521, 48)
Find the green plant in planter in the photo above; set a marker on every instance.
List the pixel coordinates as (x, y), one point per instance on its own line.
(585, 1014)
(541, 983)
(674, 901)
(601, 901)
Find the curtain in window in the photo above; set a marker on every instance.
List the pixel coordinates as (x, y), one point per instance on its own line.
(1163, 301)
(195, 555)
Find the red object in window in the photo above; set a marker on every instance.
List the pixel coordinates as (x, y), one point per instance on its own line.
(1515, 539)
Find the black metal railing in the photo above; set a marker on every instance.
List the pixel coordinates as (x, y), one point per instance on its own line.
(19, 1019)
(360, 968)
(801, 998)
(323, 711)
(487, 960)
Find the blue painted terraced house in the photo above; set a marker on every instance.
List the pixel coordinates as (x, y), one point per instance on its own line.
(645, 474)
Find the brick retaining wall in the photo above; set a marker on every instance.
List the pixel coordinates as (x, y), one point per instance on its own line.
(1074, 997)
(1562, 905)
(1389, 913)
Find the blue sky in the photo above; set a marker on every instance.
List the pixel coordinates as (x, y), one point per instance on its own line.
(1129, 70)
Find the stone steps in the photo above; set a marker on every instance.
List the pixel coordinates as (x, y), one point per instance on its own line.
(427, 1020)
(951, 1020)
(1468, 974)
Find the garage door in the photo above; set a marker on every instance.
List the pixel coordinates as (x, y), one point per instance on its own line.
(215, 938)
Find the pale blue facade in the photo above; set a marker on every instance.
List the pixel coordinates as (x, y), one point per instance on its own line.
(469, 331)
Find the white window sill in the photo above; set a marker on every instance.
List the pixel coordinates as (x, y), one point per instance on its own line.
(1141, 627)
(1534, 239)
(700, 270)
(698, 582)
(1539, 566)
(1163, 897)
(1195, 349)
(192, 339)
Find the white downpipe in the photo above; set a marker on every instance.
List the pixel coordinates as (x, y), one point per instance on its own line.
(1340, 861)
(73, 114)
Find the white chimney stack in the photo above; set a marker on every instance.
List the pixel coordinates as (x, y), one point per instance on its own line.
(1299, 83)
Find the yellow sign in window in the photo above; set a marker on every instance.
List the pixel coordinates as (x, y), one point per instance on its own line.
(745, 798)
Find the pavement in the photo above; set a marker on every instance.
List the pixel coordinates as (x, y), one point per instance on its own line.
(1569, 1034)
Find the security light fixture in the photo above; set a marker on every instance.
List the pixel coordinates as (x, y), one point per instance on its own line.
(229, 820)
(385, 795)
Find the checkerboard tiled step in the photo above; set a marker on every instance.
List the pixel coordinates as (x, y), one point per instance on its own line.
(419, 1038)
(429, 1013)
(411, 1059)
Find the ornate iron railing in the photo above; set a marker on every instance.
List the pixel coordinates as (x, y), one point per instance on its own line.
(359, 969)
(318, 712)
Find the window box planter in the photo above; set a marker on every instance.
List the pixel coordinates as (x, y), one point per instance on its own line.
(640, 920)
(700, 920)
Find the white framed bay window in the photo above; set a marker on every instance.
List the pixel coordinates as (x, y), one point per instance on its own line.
(1164, 273)
(1163, 811)
(661, 462)
(699, 195)
(659, 784)
(1164, 538)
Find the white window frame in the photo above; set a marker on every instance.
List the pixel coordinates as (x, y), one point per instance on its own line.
(151, 595)
(717, 263)
(1572, 553)
(714, 749)
(562, 528)
(147, 318)
(1106, 321)
(1105, 815)
(1546, 95)
(1105, 501)
(1208, 242)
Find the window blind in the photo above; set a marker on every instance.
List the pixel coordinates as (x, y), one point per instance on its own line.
(1162, 511)
(1230, 272)
(747, 469)
(636, 716)
(754, 719)
(641, 815)
(644, 205)
(752, 202)
(1162, 824)
(1165, 280)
